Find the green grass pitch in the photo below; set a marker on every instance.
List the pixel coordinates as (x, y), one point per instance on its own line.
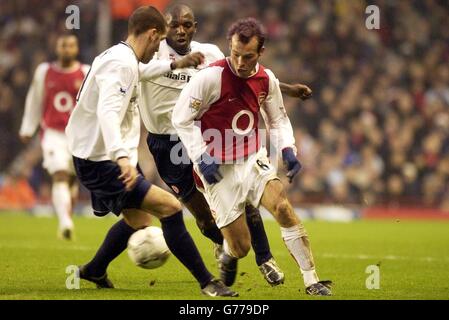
(413, 260)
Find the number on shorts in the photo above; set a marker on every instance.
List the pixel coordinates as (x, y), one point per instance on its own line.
(262, 165)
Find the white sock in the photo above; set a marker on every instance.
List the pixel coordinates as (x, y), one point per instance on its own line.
(297, 242)
(62, 201)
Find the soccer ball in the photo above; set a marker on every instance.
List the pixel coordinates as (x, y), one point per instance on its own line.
(147, 248)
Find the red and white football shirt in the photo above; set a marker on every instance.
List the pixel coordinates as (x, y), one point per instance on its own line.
(51, 97)
(226, 110)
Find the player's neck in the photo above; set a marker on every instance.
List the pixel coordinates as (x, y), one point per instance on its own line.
(182, 51)
(253, 72)
(136, 46)
(67, 65)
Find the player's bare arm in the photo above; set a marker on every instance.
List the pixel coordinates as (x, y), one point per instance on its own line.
(156, 68)
(191, 60)
(296, 90)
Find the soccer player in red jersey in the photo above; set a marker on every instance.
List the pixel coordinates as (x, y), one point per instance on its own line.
(49, 103)
(231, 165)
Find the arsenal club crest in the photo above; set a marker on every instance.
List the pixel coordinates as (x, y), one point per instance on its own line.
(195, 104)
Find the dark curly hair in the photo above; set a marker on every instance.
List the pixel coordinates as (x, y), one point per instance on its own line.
(246, 29)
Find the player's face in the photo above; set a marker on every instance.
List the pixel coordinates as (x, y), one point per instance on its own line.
(181, 29)
(244, 56)
(67, 49)
(153, 40)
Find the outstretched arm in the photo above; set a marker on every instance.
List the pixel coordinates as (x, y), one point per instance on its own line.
(296, 90)
(156, 68)
(281, 131)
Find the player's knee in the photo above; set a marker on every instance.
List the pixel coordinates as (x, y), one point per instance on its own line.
(61, 176)
(240, 248)
(171, 206)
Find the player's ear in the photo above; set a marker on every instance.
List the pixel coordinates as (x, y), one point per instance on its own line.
(152, 33)
(261, 51)
(195, 25)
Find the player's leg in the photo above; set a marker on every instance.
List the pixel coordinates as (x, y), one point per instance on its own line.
(74, 190)
(168, 209)
(62, 202)
(57, 161)
(108, 194)
(237, 241)
(113, 245)
(236, 245)
(199, 208)
(226, 200)
(259, 241)
(180, 178)
(274, 199)
(176, 172)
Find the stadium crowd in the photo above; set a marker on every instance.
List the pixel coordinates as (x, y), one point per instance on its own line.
(376, 130)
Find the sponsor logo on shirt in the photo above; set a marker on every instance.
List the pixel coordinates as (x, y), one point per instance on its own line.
(182, 77)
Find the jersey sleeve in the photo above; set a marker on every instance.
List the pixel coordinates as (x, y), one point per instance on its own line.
(153, 69)
(211, 52)
(195, 99)
(216, 53)
(34, 102)
(275, 116)
(114, 81)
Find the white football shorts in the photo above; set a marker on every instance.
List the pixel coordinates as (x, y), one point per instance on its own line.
(242, 183)
(56, 154)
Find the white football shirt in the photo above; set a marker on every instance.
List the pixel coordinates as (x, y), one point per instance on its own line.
(105, 123)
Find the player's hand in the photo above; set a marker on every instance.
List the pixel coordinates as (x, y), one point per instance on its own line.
(25, 139)
(210, 169)
(191, 60)
(129, 173)
(298, 90)
(291, 163)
